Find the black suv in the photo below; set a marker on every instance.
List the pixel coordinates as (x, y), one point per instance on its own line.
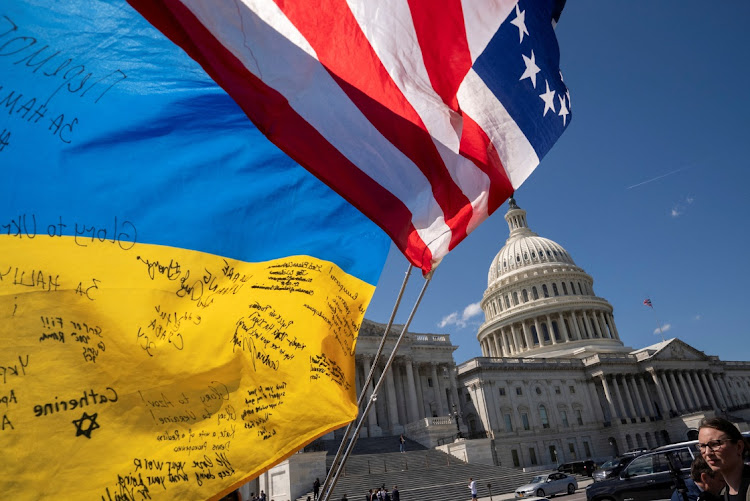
(578, 467)
(647, 477)
(613, 467)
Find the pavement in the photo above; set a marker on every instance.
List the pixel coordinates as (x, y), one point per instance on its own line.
(511, 495)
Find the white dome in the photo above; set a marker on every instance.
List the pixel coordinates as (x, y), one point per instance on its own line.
(538, 303)
(524, 251)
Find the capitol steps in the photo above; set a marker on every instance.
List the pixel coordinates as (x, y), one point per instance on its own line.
(422, 475)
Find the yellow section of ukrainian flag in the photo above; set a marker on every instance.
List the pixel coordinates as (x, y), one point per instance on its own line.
(160, 373)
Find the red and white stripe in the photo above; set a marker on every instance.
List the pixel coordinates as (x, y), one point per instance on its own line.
(376, 98)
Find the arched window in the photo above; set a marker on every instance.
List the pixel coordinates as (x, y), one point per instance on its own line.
(515, 298)
(554, 289)
(586, 288)
(534, 335)
(556, 331)
(525, 296)
(545, 331)
(572, 288)
(544, 290)
(534, 293)
(580, 290)
(543, 416)
(507, 302)
(565, 289)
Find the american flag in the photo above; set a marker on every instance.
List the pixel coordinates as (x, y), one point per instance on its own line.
(647, 302)
(426, 116)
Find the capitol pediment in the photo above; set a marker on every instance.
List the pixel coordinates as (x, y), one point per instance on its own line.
(678, 350)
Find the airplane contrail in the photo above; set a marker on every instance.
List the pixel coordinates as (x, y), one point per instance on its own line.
(656, 178)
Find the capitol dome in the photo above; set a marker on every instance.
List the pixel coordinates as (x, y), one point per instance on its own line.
(538, 303)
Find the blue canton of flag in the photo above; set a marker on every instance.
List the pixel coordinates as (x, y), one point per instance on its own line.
(539, 93)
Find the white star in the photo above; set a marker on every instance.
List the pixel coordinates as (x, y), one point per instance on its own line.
(563, 109)
(549, 99)
(520, 23)
(531, 68)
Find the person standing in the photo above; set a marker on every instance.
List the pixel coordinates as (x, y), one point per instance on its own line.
(395, 496)
(724, 449)
(316, 489)
(401, 443)
(704, 484)
(473, 488)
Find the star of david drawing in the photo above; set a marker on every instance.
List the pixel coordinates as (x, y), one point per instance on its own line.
(92, 425)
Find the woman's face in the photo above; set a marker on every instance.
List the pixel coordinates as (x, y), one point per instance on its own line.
(723, 454)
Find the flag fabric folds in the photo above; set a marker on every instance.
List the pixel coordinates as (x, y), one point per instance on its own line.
(179, 300)
(647, 302)
(425, 118)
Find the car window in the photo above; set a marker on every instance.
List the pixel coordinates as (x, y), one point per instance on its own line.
(643, 465)
(537, 479)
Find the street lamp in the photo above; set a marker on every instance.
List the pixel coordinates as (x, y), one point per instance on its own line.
(457, 416)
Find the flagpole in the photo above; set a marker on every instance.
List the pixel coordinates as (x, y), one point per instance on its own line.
(368, 380)
(373, 397)
(650, 304)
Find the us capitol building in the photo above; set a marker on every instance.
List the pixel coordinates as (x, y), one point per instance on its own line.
(555, 382)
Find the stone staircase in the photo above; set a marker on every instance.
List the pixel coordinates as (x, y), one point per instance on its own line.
(421, 474)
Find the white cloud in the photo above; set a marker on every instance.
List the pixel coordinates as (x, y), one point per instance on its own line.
(664, 328)
(697, 317)
(460, 320)
(679, 207)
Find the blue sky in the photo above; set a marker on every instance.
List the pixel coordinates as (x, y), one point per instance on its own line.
(646, 189)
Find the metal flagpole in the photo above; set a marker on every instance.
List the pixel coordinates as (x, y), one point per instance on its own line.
(373, 397)
(648, 303)
(366, 385)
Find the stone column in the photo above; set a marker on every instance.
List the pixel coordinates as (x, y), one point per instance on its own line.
(701, 390)
(436, 389)
(608, 396)
(725, 389)
(563, 330)
(539, 333)
(660, 391)
(595, 402)
(516, 340)
(643, 395)
(709, 391)
(669, 385)
(600, 319)
(675, 391)
(574, 324)
(390, 393)
(668, 392)
(411, 386)
(401, 398)
(693, 390)
(373, 430)
(527, 335)
(420, 393)
(454, 390)
(496, 337)
(592, 324)
(686, 392)
(627, 395)
(623, 410)
(717, 393)
(551, 330)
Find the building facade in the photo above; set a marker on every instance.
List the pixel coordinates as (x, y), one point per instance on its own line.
(555, 381)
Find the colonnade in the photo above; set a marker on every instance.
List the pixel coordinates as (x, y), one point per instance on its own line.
(407, 391)
(679, 391)
(515, 338)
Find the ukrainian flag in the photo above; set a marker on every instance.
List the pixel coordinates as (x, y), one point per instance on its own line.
(179, 301)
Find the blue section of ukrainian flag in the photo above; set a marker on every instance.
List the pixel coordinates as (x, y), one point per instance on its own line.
(109, 131)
